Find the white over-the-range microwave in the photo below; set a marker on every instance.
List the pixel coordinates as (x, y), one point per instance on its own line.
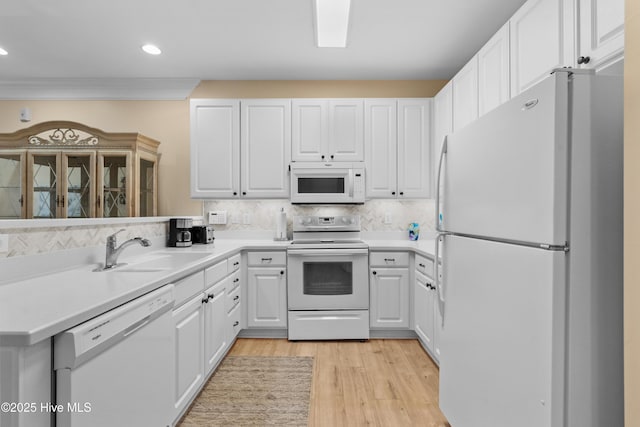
(327, 183)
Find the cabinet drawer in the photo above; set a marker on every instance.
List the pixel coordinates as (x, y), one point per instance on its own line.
(234, 281)
(424, 265)
(188, 287)
(267, 258)
(234, 263)
(215, 273)
(233, 299)
(234, 322)
(389, 259)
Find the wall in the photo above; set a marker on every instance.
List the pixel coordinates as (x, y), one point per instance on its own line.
(372, 213)
(632, 213)
(168, 121)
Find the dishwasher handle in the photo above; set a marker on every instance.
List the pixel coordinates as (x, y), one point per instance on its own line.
(76, 346)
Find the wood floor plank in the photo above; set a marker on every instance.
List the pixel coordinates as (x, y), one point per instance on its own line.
(377, 382)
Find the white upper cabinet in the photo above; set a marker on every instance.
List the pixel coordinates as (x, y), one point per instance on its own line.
(327, 130)
(381, 144)
(215, 148)
(265, 148)
(465, 94)
(346, 127)
(414, 148)
(601, 29)
(542, 38)
(493, 71)
(442, 117)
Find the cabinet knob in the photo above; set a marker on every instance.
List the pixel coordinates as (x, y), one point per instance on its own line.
(236, 280)
(393, 193)
(322, 157)
(236, 323)
(375, 272)
(332, 157)
(244, 193)
(281, 271)
(236, 298)
(422, 265)
(402, 193)
(583, 60)
(235, 193)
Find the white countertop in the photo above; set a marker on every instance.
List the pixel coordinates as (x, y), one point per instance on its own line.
(38, 308)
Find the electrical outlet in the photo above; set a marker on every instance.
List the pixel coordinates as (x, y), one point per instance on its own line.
(4, 243)
(235, 219)
(387, 218)
(246, 218)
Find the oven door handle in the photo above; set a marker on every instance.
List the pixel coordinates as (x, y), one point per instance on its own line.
(326, 252)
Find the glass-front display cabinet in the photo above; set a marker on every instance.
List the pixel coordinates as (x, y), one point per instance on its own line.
(65, 169)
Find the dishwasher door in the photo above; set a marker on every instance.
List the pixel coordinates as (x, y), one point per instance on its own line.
(116, 369)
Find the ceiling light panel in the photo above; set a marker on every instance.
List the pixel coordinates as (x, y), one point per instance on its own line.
(151, 49)
(332, 22)
(3, 52)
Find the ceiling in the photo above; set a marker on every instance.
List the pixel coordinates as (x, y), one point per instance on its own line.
(58, 47)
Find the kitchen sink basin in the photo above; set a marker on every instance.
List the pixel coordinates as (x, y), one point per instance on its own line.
(158, 261)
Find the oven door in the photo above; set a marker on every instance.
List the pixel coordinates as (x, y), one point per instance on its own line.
(327, 279)
(322, 185)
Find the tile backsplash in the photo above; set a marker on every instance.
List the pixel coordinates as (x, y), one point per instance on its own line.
(262, 213)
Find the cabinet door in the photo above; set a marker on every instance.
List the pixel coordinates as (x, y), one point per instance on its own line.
(215, 148)
(601, 31)
(346, 127)
(44, 171)
(114, 197)
(465, 95)
(147, 185)
(78, 198)
(389, 298)
(265, 148)
(215, 320)
(493, 71)
(442, 117)
(267, 297)
(542, 36)
(310, 125)
(13, 180)
(380, 135)
(423, 305)
(189, 351)
(414, 148)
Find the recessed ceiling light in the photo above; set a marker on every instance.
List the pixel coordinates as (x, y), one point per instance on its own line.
(3, 52)
(151, 49)
(332, 22)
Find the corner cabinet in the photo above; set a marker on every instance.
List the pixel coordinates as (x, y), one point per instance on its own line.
(65, 169)
(240, 148)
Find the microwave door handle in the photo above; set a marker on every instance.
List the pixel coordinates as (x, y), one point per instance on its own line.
(350, 183)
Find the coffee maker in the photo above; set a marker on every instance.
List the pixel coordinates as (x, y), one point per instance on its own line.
(180, 232)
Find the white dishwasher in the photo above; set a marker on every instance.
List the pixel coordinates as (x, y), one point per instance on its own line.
(115, 369)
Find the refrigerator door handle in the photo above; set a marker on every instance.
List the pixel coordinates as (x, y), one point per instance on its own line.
(439, 284)
(439, 215)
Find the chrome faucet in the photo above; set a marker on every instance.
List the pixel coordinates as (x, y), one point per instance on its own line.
(113, 252)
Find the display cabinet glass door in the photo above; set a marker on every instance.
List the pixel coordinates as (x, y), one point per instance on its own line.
(44, 196)
(114, 174)
(77, 201)
(12, 183)
(148, 181)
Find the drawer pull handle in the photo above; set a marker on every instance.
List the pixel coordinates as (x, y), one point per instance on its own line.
(236, 323)
(236, 263)
(210, 296)
(390, 259)
(236, 280)
(267, 259)
(236, 298)
(205, 300)
(422, 265)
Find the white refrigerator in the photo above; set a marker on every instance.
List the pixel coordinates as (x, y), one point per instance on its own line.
(530, 287)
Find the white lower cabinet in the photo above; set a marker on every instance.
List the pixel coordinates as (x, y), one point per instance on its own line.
(389, 290)
(267, 287)
(203, 326)
(215, 318)
(189, 351)
(427, 320)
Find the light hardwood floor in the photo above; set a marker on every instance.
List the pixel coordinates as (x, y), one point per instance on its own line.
(378, 382)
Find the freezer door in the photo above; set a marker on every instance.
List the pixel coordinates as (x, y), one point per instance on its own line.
(506, 173)
(502, 346)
